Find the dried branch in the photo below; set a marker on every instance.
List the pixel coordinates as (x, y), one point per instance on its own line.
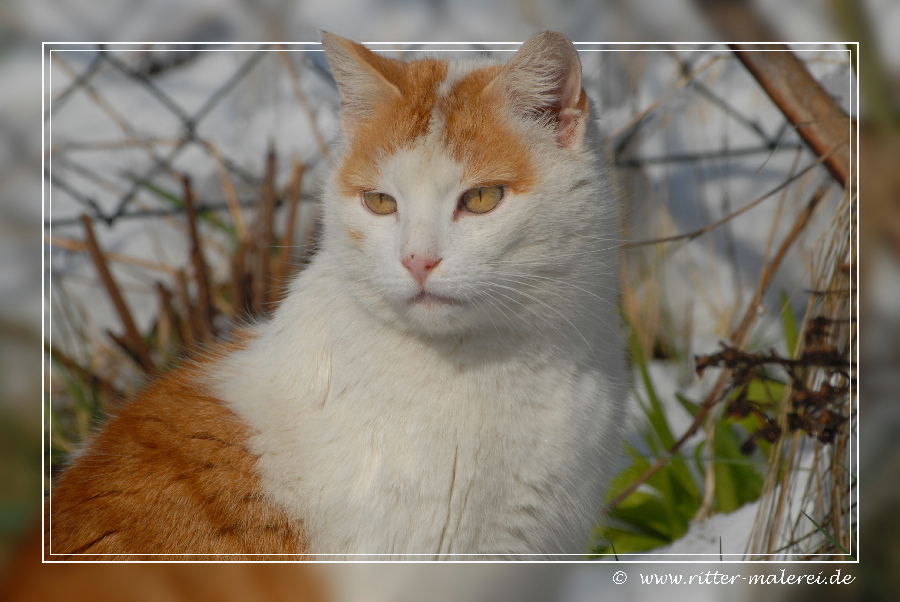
(168, 322)
(264, 237)
(188, 334)
(102, 145)
(713, 155)
(742, 333)
(287, 239)
(133, 337)
(737, 20)
(204, 307)
(80, 246)
(304, 102)
(818, 119)
(87, 376)
(240, 283)
(234, 206)
(727, 218)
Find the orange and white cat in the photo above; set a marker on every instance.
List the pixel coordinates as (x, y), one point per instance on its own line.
(445, 378)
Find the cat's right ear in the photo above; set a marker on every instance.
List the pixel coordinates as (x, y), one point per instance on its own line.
(543, 80)
(360, 76)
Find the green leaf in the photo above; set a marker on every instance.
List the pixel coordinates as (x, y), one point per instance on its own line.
(690, 407)
(662, 439)
(790, 324)
(647, 514)
(737, 483)
(655, 414)
(656, 514)
(765, 391)
(627, 543)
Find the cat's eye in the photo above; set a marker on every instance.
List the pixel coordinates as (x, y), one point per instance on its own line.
(481, 199)
(379, 202)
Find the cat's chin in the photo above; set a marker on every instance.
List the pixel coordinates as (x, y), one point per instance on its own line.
(434, 315)
(431, 301)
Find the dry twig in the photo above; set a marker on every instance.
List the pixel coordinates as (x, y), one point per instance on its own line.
(818, 119)
(87, 376)
(135, 342)
(287, 240)
(301, 97)
(204, 307)
(80, 246)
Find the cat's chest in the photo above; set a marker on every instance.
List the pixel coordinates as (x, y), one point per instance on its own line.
(419, 450)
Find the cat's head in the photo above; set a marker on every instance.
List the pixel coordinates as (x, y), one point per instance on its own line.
(461, 189)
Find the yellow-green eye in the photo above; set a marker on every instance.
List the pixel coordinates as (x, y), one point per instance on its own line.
(481, 199)
(380, 202)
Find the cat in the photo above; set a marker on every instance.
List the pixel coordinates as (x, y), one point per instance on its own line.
(27, 579)
(445, 380)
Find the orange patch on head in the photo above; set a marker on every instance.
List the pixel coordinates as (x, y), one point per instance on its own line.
(393, 124)
(476, 130)
(478, 135)
(356, 237)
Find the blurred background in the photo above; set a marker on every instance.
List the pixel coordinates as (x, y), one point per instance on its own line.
(692, 138)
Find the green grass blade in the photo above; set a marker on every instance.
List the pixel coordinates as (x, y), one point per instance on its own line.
(790, 324)
(175, 200)
(828, 535)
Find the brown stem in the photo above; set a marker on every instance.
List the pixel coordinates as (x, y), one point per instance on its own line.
(287, 240)
(86, 375)
(742, 333)
(188, 334)
(80, 246)
(239, 301)
(744, 209)
(304, 101)
(234, 206)
(204, 308)
(135, 341)
(821, 123)
(264, 237)
(168, 321)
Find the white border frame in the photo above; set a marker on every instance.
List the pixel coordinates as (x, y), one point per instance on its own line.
(46, 323)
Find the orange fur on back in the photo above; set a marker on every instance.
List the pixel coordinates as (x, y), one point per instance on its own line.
(170, 474)
(29, 580)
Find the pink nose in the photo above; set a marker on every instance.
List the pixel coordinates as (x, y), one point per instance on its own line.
(420, 267)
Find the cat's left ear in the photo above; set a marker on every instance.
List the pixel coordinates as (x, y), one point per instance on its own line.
(360, 74)
(543, 79)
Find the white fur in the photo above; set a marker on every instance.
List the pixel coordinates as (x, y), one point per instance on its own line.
(484, 427)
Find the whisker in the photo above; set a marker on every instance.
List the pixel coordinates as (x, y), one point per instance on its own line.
(506, 277)
(551, 308)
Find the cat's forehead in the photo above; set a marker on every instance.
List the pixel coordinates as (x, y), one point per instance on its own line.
(444, 105)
